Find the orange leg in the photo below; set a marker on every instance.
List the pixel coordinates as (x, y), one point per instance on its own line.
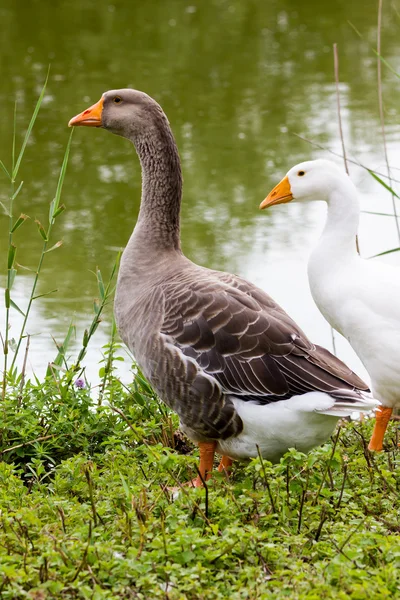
(207, 452)
(225, 465)
(382, 419)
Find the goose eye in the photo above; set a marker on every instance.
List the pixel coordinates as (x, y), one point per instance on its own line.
(301, 173)
(117, 100)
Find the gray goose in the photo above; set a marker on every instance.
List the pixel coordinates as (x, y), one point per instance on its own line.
(219, 351)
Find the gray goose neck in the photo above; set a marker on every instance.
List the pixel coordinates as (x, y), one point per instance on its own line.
(158, 224)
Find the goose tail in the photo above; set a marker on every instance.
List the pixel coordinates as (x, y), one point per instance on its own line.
(348, 402)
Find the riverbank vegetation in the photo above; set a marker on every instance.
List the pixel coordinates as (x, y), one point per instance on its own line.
(86, 505)
(86, 509)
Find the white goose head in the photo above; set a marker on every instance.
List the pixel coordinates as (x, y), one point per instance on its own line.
(307, 181)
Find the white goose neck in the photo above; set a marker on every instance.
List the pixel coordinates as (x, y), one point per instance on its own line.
(342, 219)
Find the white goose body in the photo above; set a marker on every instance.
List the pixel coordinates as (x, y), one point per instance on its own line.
(359, 298)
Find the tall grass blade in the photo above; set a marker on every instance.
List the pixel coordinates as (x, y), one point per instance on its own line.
(5, 209)
(381, 114)
(15, 194)
(46, 236)
(3, 166)
(21, 219)
(100, 283)
(385, 62)
(41, 230)
(339, 112)
(385, 252)
(385, 185)
(62, 349)
(379, 214)
(14, 140)
(11, 255)
(29, 130)
(44, 294)
(24, 268)
(12, 303)
(55, 203)
(60, 210)
(350, 160)
(56, 245)
(106, 292)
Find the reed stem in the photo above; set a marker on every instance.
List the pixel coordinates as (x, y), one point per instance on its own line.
(381, 112)
(53, 214)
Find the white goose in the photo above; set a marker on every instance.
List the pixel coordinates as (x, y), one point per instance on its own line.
(359, 298)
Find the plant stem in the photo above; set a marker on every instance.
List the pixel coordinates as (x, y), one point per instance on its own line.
(10, 235)
(349, 160)
(381, 112)
(52, 217)
(105, 292)
(336, 67)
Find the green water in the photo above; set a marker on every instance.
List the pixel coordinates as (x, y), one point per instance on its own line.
(237, 79)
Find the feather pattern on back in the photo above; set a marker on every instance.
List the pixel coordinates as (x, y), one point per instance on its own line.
(217, 336)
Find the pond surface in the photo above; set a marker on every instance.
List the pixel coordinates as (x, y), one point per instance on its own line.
(237, 80)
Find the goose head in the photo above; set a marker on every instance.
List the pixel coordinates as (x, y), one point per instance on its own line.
(125, 112)
(307, 181)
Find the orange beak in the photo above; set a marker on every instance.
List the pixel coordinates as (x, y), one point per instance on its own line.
(280, 194)
(90, 117)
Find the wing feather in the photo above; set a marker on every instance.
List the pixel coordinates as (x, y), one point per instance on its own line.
(243, 344)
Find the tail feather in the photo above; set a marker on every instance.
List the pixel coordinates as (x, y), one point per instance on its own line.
(350, 401)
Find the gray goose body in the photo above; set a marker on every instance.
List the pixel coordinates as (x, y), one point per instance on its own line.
(210, 342)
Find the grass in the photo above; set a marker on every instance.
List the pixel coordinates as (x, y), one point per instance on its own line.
(86, 512)
(85, 506)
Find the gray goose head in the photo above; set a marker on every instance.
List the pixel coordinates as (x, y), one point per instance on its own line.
(128, 113)
(136, 116)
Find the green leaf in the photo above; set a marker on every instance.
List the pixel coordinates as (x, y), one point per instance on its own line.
(15, 194)
(5, 209)
(127, 491)
(7, 297)
(385, 62)
(16, 307)
(56, 245)
(41, 230)
(21, 219)
(14, 136)
(51, 209)
(63, 348)
(59, 210)
(116, 265)
(11, 255)
(45, 294)
(25, 268)
(61, 178)
(100, 283)
(385, 252)
(385, 185)
(95, 326)
(2, 165)
(30, 127)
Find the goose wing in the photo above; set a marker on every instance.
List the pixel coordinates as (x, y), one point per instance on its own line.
(244, 342)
